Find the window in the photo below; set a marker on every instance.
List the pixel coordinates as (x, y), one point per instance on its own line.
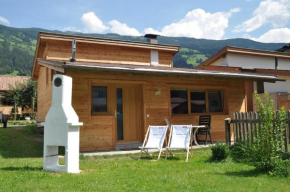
(179, 102)
(215, 102)
(99, 99)
(184, 101)
(198, 102)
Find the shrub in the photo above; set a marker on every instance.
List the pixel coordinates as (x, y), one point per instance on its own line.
(240, 153)
(219, 151)
(267, 146)
(30, 129)
(266, 151)
(281, 168)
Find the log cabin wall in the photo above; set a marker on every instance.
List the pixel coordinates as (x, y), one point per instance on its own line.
(44, 93)
(98, 132)
(88, 52)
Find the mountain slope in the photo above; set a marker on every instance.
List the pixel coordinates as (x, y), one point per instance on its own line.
(17, 48)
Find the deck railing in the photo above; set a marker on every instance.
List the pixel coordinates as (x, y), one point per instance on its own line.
(245, 128)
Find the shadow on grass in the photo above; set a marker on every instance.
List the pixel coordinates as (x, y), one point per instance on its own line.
(14, 143)
(155, 157)
(27, 168)
(244, 173)
(211, 160)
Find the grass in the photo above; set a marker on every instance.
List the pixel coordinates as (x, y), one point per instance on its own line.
(21, 170)
(14, 73)
(18, 122)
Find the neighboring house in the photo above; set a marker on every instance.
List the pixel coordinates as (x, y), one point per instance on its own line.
(122, 87)
(5, 83)
(254, 61)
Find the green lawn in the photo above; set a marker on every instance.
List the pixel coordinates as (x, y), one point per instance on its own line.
(21, 170)
(14, 73)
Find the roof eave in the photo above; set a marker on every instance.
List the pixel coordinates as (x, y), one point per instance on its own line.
(46, 35)
(240, 50)
(35, 58)
(265, 78)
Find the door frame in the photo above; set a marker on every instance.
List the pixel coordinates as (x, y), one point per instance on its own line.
(114, 108)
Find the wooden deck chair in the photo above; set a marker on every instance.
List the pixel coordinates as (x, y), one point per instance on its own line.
(167, 122)
(154, 139)
(179, 138)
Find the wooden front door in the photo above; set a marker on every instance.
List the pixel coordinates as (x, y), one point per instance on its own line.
(128, 107)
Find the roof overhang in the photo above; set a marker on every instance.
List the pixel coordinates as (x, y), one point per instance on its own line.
(247, 70)
(158, 70)
(243, 51)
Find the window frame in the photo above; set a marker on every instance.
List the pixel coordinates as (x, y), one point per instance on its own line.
(189, 89)
(91, 99)
(188, 103)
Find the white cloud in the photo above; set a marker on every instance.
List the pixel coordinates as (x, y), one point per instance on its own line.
(281, 35)
(151, 31)
(4, 20)
(246, 36)
(123, 29)
(70, 29)
(198, 24)
(92, 23)
(275, 12)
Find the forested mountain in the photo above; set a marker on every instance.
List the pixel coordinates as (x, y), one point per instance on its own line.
(17, 48)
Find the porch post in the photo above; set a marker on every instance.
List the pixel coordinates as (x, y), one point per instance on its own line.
(228, 131)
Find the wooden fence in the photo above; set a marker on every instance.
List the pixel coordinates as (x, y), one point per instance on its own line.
(284, 100)
(245, 128)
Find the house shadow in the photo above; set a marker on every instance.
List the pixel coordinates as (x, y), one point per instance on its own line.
(26, 168)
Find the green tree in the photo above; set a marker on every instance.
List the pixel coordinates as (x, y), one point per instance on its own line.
(23, 95)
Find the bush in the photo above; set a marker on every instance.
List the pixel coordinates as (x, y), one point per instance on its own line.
(267, 146)
(219, 151)
(281, 169)
(30, 129)
(240, 153)
(266, 151)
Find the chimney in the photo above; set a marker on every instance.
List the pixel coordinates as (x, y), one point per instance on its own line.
(152, 38)
(73, 54)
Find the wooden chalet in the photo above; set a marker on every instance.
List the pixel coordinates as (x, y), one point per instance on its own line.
(122, 87)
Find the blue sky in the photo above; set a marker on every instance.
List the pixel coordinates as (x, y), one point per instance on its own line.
(264, 20)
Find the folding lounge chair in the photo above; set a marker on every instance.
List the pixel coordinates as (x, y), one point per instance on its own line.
(179, 138)
(167, 122)
(154, 139)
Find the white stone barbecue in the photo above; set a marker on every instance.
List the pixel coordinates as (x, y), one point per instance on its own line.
(61, 128)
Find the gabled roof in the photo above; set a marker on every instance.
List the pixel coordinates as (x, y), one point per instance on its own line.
(155, 70)
(42, 36)
(7, 81)
(243, 51)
